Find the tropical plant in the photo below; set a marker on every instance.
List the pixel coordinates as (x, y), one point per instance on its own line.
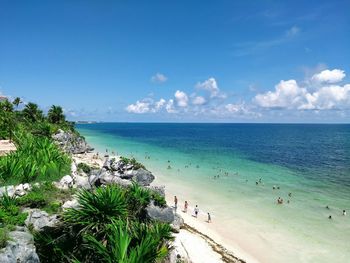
(36, 159)
(7, 120)
(17, 101)
(98, 209)
(32, 113)
(119, 246)
(55, 114)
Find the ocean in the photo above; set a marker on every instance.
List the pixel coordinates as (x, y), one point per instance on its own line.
(238, 171)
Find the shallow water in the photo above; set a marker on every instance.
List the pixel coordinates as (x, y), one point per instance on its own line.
(310, 161)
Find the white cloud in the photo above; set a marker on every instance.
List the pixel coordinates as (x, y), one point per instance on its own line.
(199, 100)
(138, 107)
(289, 95)
(159, 78)
(181, 98)
(329, 76)
(293, 31)
(286, 95)
(159, 104)
(170, 108)
(209, 85)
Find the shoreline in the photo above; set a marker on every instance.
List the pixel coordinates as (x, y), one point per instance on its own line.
(214, 244)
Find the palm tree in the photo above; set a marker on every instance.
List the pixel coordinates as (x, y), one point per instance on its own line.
(32, 112)
(17, 101)
(55, 114)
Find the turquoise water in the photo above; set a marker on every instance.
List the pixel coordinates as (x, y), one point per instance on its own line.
(217, 166)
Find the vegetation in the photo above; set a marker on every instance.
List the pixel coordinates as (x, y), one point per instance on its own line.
(132, 161)
(84, 167)
(110, 224)
(105, 228)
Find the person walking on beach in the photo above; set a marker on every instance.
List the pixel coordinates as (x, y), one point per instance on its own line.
(185, 207)
(344, 213)
(209, 218)
(196, 210)
(175, 203)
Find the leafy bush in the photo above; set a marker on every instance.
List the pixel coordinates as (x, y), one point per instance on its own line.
(36, 159)
(10, 213)
(84, 167)
(4, 237)
(132, 161)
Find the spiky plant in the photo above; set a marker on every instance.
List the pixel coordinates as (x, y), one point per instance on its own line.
(97, 209)
(55, 114)
(119, 246)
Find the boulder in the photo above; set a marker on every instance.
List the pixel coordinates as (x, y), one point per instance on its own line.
(65, 182)
(70, 204)
(143, 177)
(19, 190)
(178, 223)
(128, 175)
(118, 166)
(10, 190)
(81, 182)
(165, 214)
(71, 142)
(106, 177)
(40, 219)
(122, 182)
(20, 248)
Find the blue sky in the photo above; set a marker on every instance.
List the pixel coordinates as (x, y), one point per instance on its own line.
(205, 61)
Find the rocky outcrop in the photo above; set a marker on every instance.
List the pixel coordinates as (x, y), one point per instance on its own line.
(70, 204)
(71, 142)
(116, 171)
(161, 214)
(40, 220)
(65, 182)
(20, 248)
(178, 223)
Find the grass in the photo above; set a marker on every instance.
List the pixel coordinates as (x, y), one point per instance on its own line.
(46, 197)
(10, 212)
(4, 237)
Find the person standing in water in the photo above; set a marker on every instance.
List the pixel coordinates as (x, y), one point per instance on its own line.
(344, 213)
(185, 207)
(209, 218)
(196, 210)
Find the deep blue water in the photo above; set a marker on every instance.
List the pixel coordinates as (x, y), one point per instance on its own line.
(316, 151)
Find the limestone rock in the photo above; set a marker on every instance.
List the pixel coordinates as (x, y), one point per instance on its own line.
(40, 219)
(165, 215)
(20, 248)
(143, 177)
(70, 204)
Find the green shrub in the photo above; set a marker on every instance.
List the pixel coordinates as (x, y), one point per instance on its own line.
(84, 167)
(10, 213)
(36, 159)
(132, 161)
(4, 237)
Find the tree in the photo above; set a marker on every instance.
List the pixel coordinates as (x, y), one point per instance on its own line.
(7, 118)
(32, 112)
(17, 101)
(55, 114)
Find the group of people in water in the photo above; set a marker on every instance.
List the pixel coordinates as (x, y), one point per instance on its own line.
(195, 210)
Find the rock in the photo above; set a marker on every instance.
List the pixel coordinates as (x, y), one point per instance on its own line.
(158, 189)
(74, 169)
(40, 219)
(129, 167)
(178, 223)
(178, 253)
(27, 187)
(128, 175)
(143, 177)
(93, 178)
(10, 190)
(70, 204)
(20, 248)
(106, 178)
(122, 182)
(165, 215)
(19, 190)
(82, 182)
(107, 164)
(71, 142)
(118, 166)
(65, 182)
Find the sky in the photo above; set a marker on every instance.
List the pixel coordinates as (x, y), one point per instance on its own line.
(179, 61)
